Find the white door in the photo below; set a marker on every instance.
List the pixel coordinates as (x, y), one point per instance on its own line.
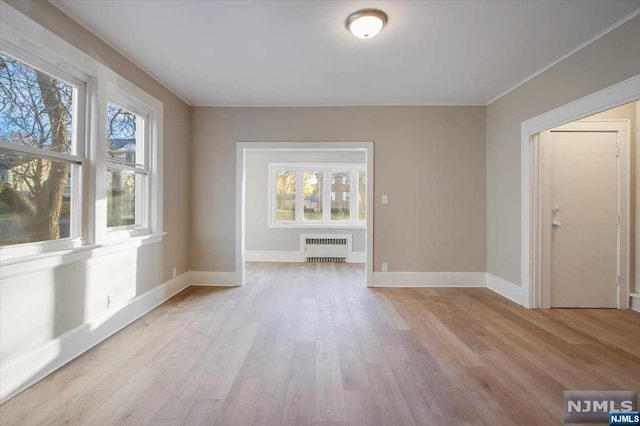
(580, 208)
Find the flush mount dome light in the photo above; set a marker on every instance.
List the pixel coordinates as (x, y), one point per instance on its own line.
(366, 23)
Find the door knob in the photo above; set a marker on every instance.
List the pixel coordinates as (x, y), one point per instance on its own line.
(556, 224)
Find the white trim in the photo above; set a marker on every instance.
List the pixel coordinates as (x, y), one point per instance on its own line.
(429, 279)
(563, 57)
(22, 373)
(242, 147)
(320, 225)
(33, 263)
(273, 256)
(505, 288)
(26, 250)
(602, 100)
(213, 278)
(241, 217)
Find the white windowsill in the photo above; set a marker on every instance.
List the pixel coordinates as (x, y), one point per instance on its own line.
(33, 263)
(292, 225)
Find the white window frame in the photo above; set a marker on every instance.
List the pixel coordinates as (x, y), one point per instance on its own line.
(149, 195)
(327, 171)
(95, 85)
(76, 158)
(142, 166)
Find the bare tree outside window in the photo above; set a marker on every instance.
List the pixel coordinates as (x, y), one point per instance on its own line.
(35, 111)
(286, 195)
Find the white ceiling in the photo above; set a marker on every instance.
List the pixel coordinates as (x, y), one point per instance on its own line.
(255, 53)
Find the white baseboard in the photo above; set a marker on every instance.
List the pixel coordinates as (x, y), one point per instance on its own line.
(429, 279)
(22, 373)
(213, 278)
(635, 302)
(505, 288)
(273, 256)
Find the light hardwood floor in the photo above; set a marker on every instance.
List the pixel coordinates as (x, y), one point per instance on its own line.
(305, 344)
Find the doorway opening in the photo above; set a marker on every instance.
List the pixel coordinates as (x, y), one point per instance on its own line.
(579, 204)
(302, 204)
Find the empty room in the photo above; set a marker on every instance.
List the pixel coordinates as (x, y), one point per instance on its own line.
(310, 212)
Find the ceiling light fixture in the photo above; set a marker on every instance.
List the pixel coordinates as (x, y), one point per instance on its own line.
(366, 23)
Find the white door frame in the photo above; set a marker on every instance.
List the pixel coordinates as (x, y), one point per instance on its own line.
(610, 97)
(622, 129)
(243, 147)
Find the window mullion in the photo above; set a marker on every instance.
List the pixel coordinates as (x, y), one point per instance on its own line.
(299, 216)
(98, 156)
(326, 205)
(353, 197)
(272, 194)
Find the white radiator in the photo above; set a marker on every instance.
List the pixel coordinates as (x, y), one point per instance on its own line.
(326, 248)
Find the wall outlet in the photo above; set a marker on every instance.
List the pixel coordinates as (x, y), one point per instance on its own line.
(108, 302)
(174, 272)
(385, 199)
(385, 267)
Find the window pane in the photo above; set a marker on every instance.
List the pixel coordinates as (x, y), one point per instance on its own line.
(313, 195)
(286, 195)
(121, 134)
(121, 198)
(35, 199)
(340, 203)
(35, 108)
(362, 195)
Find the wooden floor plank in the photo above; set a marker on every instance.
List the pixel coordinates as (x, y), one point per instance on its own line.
(299, 408)
(330, 405)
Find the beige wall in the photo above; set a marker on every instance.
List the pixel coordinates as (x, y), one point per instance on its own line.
(177, 127)
(429, 160)
(609, 60)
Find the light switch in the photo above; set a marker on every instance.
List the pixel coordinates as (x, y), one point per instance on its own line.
(385, 199)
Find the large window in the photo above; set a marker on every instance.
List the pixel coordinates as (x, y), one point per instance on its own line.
(41, 154)
(127, 168)
(317, 195)
(70, 174)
